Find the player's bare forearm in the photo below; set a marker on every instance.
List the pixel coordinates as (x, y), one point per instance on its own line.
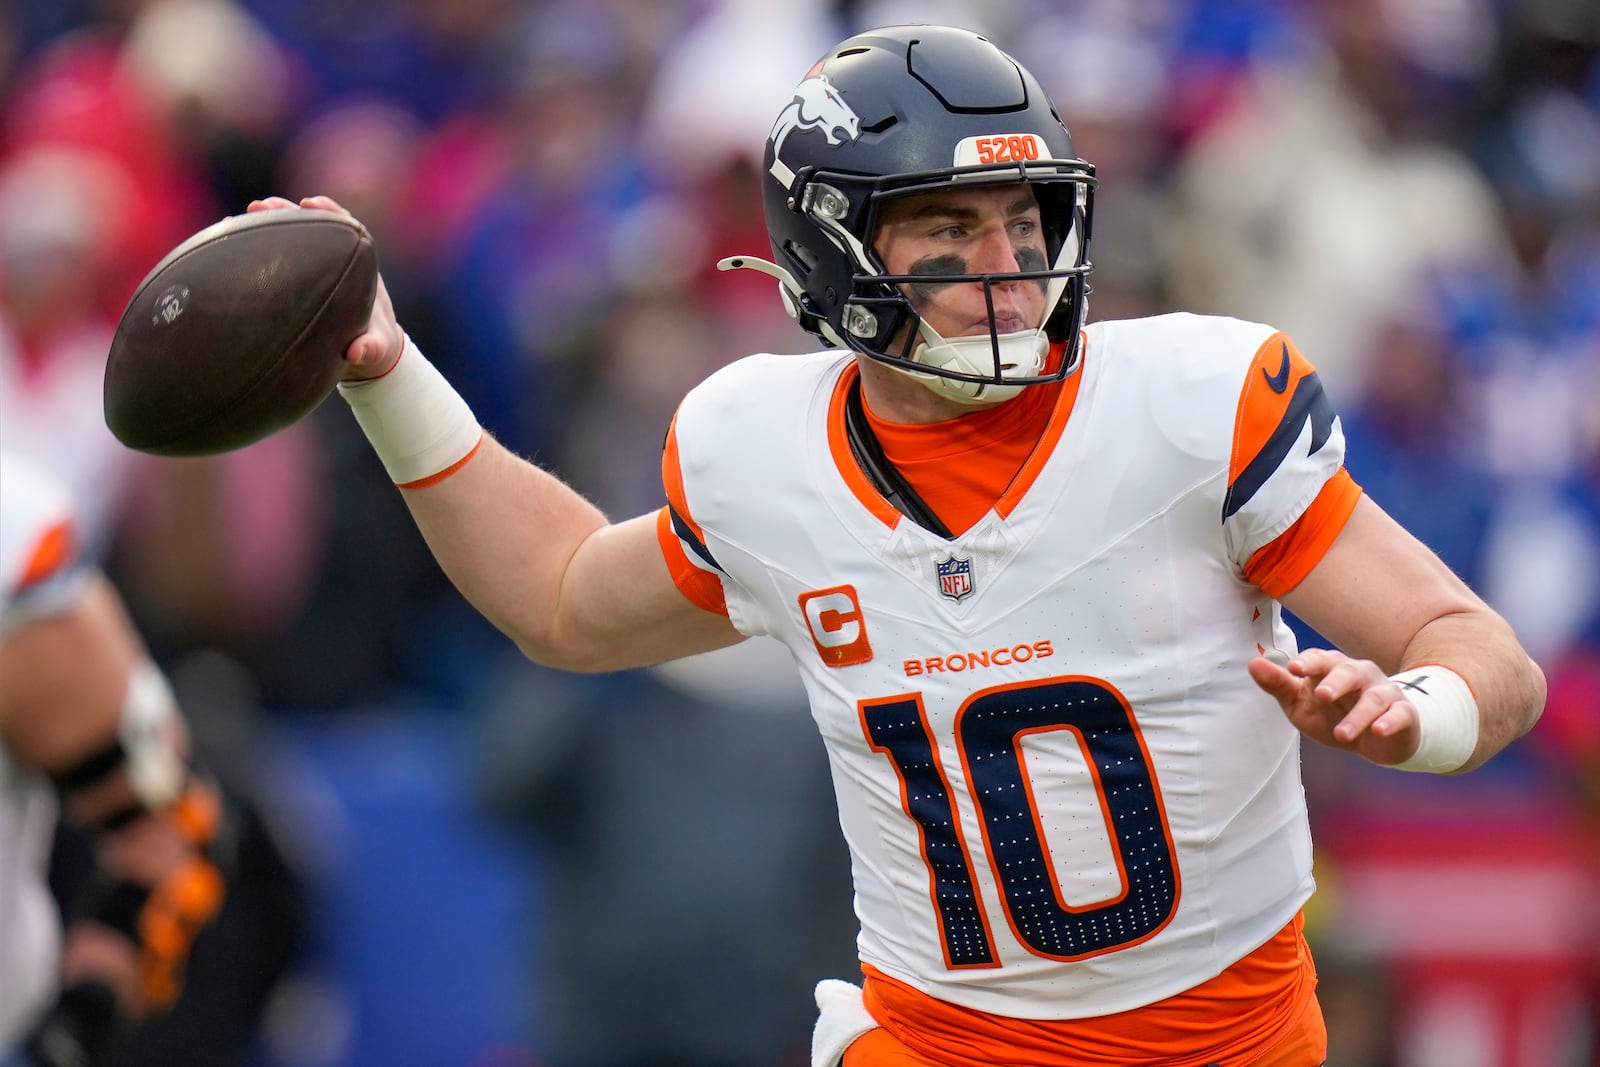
(63, 680)
(1509, 686)
(544, 565)
(536, 559)
(1389, 604)
(1354, 704)
(547, 568)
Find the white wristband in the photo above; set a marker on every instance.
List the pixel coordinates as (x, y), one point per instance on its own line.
(417, 423)
(1447, 718)
(155, 767)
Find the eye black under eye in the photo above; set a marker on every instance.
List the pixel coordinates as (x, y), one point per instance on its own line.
(939, 265)
(1030, 259)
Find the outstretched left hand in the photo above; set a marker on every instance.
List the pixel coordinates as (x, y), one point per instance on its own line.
(1343, 703)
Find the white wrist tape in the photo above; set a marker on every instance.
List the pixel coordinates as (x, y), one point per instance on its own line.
(1447, 718)
(417, 423)
(148, 733)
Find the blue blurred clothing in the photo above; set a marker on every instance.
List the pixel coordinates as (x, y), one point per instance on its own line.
(1425, 483)
(374, 48)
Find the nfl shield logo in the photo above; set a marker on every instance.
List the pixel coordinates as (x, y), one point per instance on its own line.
(955, 578)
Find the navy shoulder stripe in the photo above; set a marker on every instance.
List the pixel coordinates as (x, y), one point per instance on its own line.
(687, 535)
(1309, 402)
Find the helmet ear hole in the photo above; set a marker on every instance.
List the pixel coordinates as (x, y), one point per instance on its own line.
(803, 259)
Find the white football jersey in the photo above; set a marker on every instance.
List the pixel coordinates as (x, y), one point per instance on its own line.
(1062, 793)
(38, 575)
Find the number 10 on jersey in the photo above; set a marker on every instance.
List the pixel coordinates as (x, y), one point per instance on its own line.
(990, 730)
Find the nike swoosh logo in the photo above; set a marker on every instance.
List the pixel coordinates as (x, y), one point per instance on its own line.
(1280, 381)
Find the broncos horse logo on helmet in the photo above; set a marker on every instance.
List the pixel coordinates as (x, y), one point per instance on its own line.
(816, 106)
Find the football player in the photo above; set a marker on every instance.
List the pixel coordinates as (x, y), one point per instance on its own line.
(89, 731)
(1033, 574)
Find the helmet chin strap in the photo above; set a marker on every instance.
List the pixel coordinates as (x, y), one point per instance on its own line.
(1022, 354)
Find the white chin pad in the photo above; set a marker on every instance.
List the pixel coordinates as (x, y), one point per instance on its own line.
(1022, 355)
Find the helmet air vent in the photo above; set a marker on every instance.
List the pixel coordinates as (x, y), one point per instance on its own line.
(967, 73)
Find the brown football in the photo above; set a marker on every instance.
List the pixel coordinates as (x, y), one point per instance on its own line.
(239, 331)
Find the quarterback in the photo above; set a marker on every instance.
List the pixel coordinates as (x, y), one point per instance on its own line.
(1031, 570)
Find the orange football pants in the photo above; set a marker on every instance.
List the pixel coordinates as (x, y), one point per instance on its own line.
(1304, 1046)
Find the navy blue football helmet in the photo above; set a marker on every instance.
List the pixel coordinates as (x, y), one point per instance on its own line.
(909, 110)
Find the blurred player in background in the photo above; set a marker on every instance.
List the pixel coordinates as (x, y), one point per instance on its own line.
(89, 728)
(705, 773)
(1033, 574)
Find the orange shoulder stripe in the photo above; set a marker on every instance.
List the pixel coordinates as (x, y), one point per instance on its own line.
(1279, 565)
(54, 550)
(1264, 401)
(672, 480)
(703, 588)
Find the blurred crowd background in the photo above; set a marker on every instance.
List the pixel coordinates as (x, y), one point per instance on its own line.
(500, 866)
